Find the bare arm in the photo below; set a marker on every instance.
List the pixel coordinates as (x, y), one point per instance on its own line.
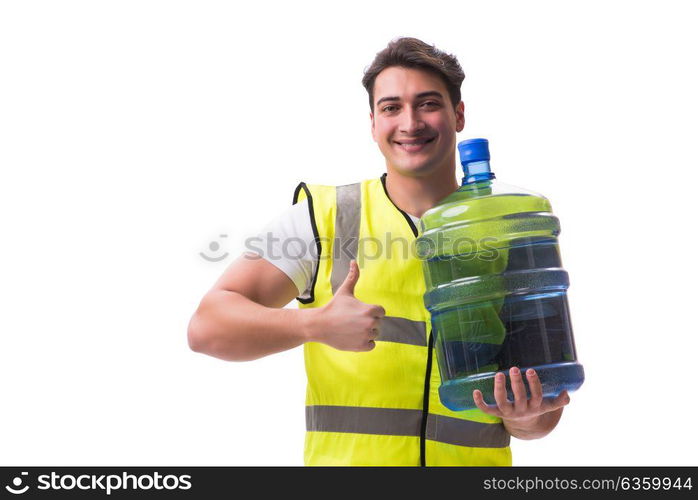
(241, 319)
(247, 298)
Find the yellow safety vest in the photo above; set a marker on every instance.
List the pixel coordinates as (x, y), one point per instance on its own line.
(381, 407)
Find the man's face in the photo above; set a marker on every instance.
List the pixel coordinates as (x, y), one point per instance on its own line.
(414, 122)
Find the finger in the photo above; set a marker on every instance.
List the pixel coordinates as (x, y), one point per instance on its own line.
(536, 389)
(519, 390)
(480, 403)
(553, 404)
(371, 345)
(347, 287)
(500, 394)
(373, 333)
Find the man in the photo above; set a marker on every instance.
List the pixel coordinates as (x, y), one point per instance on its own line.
(372, 394)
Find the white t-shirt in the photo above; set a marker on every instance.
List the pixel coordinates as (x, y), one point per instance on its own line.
(288, 242)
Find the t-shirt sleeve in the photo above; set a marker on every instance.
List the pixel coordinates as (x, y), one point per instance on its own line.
(288, 242)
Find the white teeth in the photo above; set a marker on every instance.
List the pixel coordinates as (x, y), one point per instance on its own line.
(418, 143)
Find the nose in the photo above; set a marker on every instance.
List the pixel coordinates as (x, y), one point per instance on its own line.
(411, 123)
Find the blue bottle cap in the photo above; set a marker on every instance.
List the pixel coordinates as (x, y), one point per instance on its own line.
(472, 150)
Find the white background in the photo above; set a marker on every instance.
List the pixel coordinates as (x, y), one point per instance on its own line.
(134, 134)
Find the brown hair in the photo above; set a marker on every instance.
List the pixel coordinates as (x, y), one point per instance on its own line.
(414, 53)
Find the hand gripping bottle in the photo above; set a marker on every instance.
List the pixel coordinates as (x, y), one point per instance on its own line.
(495, 287)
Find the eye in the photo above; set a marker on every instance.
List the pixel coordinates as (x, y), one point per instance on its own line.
(389, 108)
(430, 104)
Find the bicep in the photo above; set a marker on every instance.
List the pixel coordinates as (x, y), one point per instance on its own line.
(258, 280)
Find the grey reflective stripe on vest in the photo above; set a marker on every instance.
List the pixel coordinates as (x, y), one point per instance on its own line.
(404, 422)
(451, 430)
(403, 331)
(346, 232)
(363, 420)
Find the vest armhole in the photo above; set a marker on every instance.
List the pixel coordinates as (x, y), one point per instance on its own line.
(304, 187)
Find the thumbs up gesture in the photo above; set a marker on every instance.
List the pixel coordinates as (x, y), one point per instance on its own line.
(346, 323)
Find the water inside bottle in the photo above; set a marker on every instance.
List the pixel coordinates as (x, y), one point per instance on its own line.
(502, 302)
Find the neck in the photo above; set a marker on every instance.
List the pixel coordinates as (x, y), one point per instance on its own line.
(416, 195)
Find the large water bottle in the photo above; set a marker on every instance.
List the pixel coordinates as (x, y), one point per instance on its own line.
(495, 286)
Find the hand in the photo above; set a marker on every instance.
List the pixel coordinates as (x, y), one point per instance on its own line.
(346, 323)
(522, 410)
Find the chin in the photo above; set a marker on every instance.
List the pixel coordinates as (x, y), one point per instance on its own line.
(418, 170)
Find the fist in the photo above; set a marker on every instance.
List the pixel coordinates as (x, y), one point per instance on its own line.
(346, 323)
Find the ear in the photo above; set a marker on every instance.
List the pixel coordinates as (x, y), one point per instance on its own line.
(460, 117)
(373, 126)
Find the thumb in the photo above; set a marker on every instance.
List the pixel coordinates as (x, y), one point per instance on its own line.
(350, 281)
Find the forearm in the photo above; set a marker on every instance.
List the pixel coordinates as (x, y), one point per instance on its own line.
(534, 428)
(229, 326)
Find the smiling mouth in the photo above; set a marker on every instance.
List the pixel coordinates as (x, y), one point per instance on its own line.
(419, 142)
(414, 146)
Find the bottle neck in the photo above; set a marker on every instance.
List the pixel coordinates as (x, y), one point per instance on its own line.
(476, 171)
